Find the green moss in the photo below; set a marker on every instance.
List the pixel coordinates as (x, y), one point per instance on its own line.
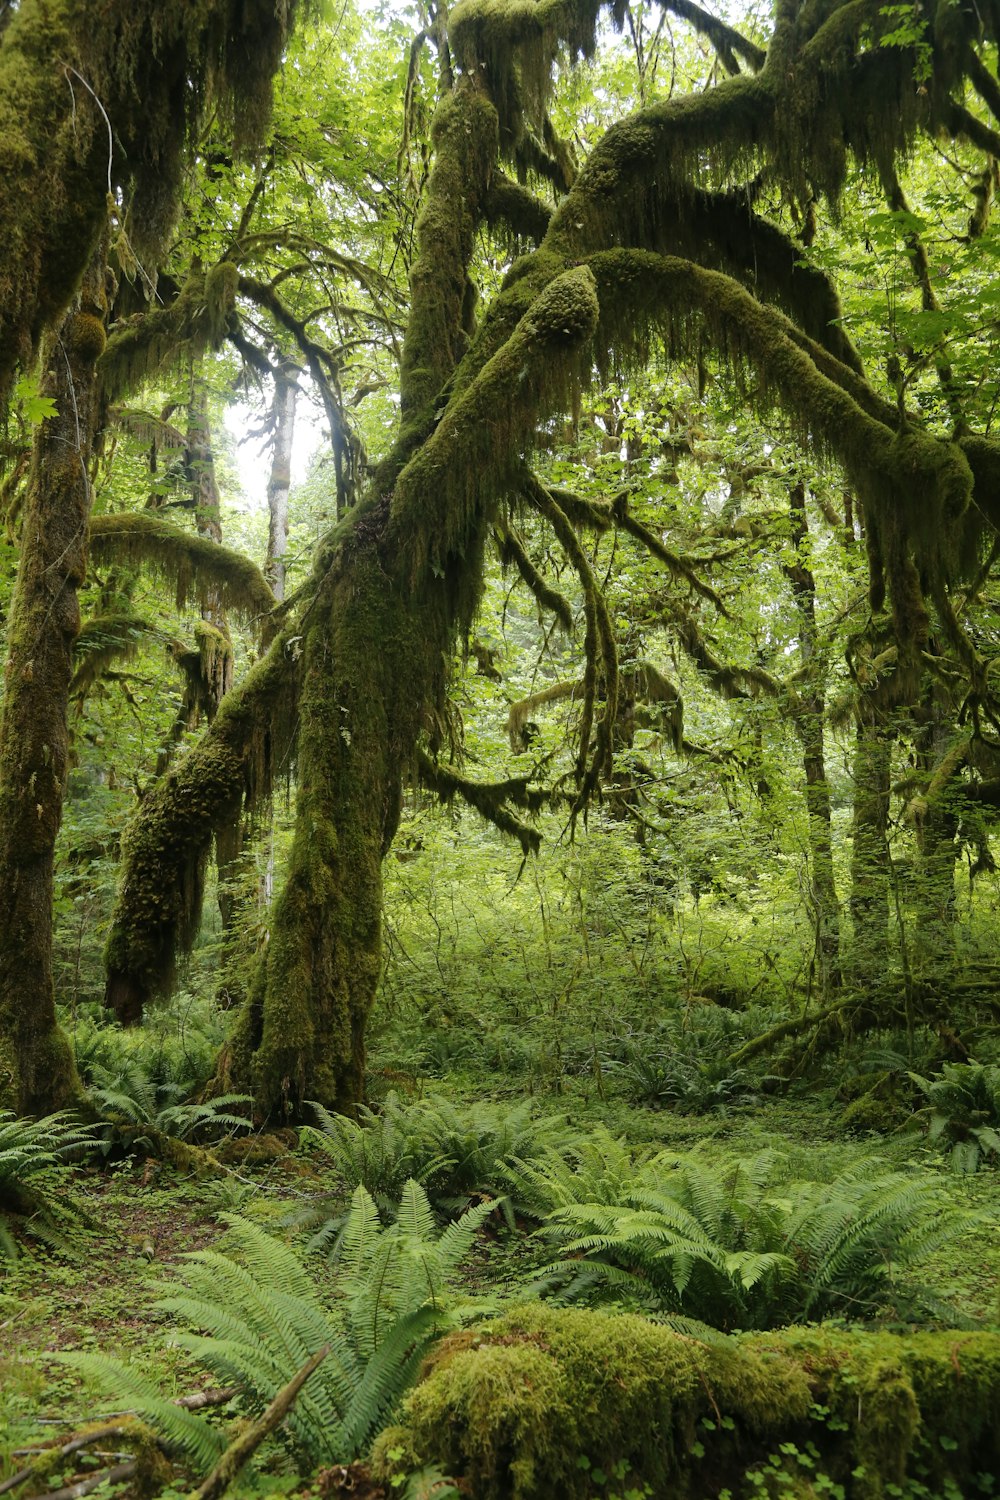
(538, 1402)
(194, 566)
(164, 850)
(465, 140)
(513, 1409)
(153, 66)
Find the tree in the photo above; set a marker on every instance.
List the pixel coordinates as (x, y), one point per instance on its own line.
(67, 172)
(662, 238)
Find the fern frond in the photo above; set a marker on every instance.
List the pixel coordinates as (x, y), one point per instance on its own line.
(183, 1430)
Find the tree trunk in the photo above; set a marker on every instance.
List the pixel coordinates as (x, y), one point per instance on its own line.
(286, 391)
(870, 853)
(936, 821)
(37, 1072)
(807, 717)
(368, 669)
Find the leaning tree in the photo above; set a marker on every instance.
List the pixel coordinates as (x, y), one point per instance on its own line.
(659, 241)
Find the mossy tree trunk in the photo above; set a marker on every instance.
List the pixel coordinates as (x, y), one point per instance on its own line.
(367, 669)
(870, 851)
(807, 716)
(936, 825)
(37, 1072)
(398, 579)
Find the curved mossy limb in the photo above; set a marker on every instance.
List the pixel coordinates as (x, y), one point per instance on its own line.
(464, 134)
(546, 1401)
(196, 567)
(37, 1071)
(164, 850)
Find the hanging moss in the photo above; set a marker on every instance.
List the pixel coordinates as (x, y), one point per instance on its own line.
(197, 318)
(103, 640)
(448, 488)
(887, 467)
(158, 906)
(192, 565)
(67, 68)
(552, 1402)
(516, 43)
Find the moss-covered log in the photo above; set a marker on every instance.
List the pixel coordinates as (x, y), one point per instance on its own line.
(551, 1402)
(37, 1073)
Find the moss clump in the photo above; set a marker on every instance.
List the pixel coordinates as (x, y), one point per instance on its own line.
(546, 1401)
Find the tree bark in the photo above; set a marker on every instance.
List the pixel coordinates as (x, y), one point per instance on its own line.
(807, 716)
(286, 392)
(37, 1072)
(870, 852)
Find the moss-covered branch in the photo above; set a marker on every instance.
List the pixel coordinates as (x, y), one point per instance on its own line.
(103, 640)
(513, 208)
(519, 715)
(886, 466)
(197, 318)
(512, 550)
(492, 800)
(193, 566)
(158, 907)
(727, 41)
(447, 490)
(600, 647)
(464, 135)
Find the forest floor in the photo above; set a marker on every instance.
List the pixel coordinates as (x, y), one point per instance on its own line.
(98, 1291)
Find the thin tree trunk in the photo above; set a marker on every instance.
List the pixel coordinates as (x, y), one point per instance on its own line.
(286, 391)
(932, 945)
(870, 854)
(37, 1072)
(808, 720)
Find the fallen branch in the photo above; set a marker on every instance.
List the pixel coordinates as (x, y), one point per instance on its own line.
(790, 1028)
(113, 1426)
(238, 1452)
(84, 1486)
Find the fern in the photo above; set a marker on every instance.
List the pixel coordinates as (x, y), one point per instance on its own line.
(963, 1112)
(597, 1168)
(183, 1431)
(255, 1316)
(33, 1178)
(722, 1245)
(458, 1153)
(133, 1102)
